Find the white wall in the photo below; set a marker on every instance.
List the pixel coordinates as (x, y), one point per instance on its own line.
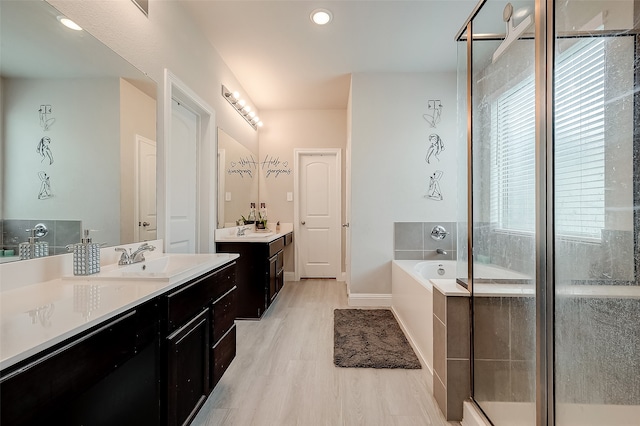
(285, 131)
(389, 175)
(85, 143)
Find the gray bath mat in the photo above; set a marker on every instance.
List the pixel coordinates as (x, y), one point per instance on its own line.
(370, 338)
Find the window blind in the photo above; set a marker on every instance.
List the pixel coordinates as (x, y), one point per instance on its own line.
(579, 147)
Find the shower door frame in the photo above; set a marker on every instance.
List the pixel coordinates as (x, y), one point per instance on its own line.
(544, 195)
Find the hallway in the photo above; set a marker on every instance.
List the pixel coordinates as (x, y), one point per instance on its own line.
(283, 373)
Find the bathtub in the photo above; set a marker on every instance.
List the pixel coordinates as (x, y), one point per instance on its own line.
(412, 304)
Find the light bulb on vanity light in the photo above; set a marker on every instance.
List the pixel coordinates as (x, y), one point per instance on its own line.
(242, 102)
(236, 95)
(252, 114)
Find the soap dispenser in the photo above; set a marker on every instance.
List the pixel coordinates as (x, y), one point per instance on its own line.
(33, 248)
(86, 256)
(252, 213)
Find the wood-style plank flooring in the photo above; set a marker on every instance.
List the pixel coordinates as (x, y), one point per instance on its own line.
(283, 373)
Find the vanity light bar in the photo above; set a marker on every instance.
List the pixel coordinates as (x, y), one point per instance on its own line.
(240, 105)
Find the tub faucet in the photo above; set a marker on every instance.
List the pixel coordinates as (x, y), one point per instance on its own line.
(441, 251)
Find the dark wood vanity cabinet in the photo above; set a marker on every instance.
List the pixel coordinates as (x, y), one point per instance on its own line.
(260, 273)
(199, 323)
(151, 365)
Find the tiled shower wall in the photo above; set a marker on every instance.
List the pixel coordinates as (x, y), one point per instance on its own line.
(61, 233)
(412, 241)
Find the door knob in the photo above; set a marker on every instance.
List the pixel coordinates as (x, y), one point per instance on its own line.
(145, 224)
(345, 225)
(303, 222)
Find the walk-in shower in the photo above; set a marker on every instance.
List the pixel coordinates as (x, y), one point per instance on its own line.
(551, 128)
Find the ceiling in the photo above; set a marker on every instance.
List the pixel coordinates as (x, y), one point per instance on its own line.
(284, 61)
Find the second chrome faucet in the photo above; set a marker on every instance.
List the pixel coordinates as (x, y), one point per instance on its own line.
(128, 258)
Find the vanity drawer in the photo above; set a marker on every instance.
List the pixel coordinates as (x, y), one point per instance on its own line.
(224, 314)
(288, 239)
(185, 302)
(275, 246)
(222, 354)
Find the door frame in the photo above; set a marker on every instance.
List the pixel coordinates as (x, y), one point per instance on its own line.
(297, 154)
(206, 166)
(136, 195)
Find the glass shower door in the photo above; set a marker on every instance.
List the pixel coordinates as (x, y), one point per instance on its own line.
(503, 189)
(596, 214)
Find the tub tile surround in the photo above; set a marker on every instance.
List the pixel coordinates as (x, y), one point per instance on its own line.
(451, 348)
(412, 241)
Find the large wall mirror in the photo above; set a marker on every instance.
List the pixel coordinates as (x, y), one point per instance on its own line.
(237, 180)
(78, 130)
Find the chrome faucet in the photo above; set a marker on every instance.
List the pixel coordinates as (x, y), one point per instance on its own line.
(127, 258)
(441, 251)
(241, 231)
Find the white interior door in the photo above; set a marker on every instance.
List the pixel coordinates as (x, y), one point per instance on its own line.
(318, 195)
(147, 225)
(183, 180)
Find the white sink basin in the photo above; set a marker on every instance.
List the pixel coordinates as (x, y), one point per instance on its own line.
(159, 269)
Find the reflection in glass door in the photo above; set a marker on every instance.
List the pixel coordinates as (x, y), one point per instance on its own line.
(503, 140)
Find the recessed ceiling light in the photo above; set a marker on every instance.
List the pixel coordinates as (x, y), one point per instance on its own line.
(69, 23)
(321, 16)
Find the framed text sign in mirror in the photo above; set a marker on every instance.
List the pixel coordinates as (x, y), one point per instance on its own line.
(78, 139)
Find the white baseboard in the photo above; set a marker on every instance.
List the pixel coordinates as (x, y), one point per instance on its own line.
(370, 300)
(289, 276)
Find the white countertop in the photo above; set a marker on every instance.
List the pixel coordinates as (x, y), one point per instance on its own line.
(229, 235)
(38, 316)
(449, 287)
